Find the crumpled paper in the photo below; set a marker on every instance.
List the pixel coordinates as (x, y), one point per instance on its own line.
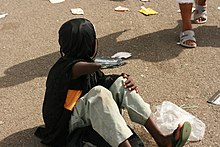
(77, 11)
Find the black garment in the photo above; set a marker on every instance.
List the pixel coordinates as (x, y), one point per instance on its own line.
(56, 117)
(77, 39)
(87, 134)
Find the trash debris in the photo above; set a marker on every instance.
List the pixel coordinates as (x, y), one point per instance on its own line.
(56, 1)
(145, 0)
(193, 9)
(168, 116)
(108, 62)
(1, 122)
(3, 14)
(77, 11)
(184, 106)
(218, 8)
(215, 99)
(147, 11)
(121, 9)
(122, 55)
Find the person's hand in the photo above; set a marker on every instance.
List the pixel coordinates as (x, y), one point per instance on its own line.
(129, 83)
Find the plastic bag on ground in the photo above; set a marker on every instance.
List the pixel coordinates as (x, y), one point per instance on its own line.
(108, 62)
(168, 116)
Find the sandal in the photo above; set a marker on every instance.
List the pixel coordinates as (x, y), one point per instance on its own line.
(187, 35)
(200, 13)
(184, 135)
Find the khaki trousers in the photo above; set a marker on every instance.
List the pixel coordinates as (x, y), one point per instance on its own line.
(100, 107)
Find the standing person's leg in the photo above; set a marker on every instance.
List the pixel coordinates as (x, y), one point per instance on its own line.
(140, 112)
(186, 12)
(187, 36)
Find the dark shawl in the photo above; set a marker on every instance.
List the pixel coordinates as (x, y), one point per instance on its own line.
(56, 117)
(77, 43)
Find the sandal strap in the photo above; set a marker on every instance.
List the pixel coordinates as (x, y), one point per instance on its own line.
(187, 35)
(202, 12)
(174, 141)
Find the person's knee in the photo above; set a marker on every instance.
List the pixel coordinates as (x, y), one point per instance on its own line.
(121, 79)
(100, 90)
(101, 95)
(119, 82)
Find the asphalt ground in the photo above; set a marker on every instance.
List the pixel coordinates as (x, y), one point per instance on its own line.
(162, 69)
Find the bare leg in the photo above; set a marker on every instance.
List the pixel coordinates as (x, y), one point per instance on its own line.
(186, 12)
(160, 139)
(125, 144)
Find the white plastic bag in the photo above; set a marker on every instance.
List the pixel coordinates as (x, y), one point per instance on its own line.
(168, 116)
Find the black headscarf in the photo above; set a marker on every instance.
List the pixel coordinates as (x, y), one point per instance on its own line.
(77, 39)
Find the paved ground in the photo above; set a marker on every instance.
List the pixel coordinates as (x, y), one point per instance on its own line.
(162, 69)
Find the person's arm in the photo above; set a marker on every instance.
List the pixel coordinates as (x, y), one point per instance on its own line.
(82, 68)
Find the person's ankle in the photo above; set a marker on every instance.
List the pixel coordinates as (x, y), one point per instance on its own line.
(186, 29)
(186, 26)
(165, 141)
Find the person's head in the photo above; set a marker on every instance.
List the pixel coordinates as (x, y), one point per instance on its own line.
(77, 39)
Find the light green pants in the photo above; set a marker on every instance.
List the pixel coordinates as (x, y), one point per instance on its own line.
(100, 108)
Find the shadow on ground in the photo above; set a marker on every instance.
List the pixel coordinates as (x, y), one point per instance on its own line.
(24, 138)
(153, 47)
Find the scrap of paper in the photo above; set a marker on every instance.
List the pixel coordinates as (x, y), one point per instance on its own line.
(215, 99)
(77, 11)
(147, 11)
(3, 14)
(121, 9)
(123, 55)
(56, 1)
(218, 8)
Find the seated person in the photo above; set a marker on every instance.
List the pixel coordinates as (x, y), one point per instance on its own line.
(79, 94)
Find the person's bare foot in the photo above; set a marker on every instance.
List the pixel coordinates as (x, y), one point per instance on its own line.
(176, 133)
(180, 136)
(190, 43)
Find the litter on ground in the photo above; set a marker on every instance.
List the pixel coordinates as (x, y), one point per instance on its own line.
(169, 115)
(56, 1)
(121, 55)
(108, 62)
(3, 14)
(147, 11)
(77, 11)
(215, 99)
(121, 9)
